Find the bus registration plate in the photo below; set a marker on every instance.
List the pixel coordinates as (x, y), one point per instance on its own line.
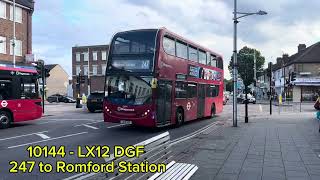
(125, 122)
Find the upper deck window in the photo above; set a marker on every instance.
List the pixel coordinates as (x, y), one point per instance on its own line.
(213, 61)
(169, 45)
(220, 63)
(202, 57)
(193, 54)
(182, 50)
(133, 51)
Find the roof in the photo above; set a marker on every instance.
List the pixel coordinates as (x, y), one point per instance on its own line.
(50, 66)
(308, 55)
(27, 3)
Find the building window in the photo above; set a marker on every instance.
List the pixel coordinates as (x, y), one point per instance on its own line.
(78, 55)
(85, 70)
(3, 12)
(104, 55)
(18, 14)
(85, 56)
(94, 70)
(169, 46)
(202, 57)
(78, 70)
(182, 50)
(193, 54)
(3, 45)
(103, 69)
(18, 48)
(95, 55)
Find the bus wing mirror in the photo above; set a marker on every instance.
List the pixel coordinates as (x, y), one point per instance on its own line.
(154, 83)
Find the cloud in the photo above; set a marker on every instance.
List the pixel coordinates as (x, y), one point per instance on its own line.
(58, 25)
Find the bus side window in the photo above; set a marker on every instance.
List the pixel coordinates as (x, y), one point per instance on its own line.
(220, 63)
(181, 90)
(5, 89)
(213, 60)
(212, 91)
(192, 90)
(169, 45)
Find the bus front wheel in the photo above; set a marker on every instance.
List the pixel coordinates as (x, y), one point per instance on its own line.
(5, 119)
(179, 117)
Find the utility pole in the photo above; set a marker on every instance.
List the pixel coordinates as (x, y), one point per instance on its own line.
(255, 72)
(88, 71)
(14, 34)
(235, 65)
(270, 86)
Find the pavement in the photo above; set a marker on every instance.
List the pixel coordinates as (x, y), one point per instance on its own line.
(64, 125)
(277, 147)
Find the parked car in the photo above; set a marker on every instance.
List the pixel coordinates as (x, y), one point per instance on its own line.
(95, 101)
(242, 97)
(60, 98)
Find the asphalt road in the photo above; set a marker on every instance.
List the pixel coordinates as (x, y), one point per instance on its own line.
(64, 125)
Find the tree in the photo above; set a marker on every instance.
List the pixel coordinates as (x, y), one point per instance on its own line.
(246, 64)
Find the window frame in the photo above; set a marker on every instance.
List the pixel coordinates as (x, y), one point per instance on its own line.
(195, 85)
(17, 41)
(78, 69)
(4, 6)
(204, 53)
(103, 55)
(196, 50)
(3, 45)
(85, 54)
(94, 55)
(85, 67)
(174, 41)
(94, 73)
(18, 9)
(184, 83)
(78, 57)
(187, 49)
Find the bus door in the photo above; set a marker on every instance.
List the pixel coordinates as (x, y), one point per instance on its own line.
(164, 101)
(201, 100)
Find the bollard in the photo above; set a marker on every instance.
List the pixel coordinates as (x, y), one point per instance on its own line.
(78, 104)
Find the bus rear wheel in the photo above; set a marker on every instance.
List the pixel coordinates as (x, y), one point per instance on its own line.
(5, 120)
(179, 118)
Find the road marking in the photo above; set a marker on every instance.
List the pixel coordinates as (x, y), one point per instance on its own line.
(59, 120)
(260, 107)
(118, 125)
(86, 176)
(75, 176)
(14, 137)
(43, 136)
(88, 126)
(36, 142)
(186, 137)
(88, 123)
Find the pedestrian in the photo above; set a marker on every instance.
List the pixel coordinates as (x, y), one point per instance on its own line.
(317, 107)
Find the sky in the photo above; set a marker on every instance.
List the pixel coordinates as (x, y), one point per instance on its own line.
(58, 25)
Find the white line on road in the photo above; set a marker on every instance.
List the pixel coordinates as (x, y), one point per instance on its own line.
(75, 176)
(14, 137)
(88, 123)
(43, 136)
(88, 126)
(118, 125)
(36, 142)
(58, 120)
(260, 107)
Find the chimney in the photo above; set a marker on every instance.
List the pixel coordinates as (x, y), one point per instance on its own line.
(301, 47)
(285, 58)
(279, 60)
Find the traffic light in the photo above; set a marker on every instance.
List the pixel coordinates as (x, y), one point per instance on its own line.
(293, 76)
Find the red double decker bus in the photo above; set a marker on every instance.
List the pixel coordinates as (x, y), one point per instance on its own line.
(19, 95)
(157, 78)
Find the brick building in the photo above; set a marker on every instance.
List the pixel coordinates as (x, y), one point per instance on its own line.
(97, 58)
(24, 11)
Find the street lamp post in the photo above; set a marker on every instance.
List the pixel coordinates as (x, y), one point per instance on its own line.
(14, 34)
(235, 65)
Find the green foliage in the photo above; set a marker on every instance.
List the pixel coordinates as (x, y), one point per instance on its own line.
(246, 64)
(228, 85)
